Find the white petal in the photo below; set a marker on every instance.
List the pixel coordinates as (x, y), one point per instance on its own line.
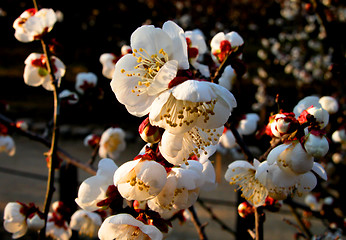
(151, 39)
(179, 43)
(163, 77)
(307, 182)
(274, 154)
(194, 91)
(320, 171)
(122, 85)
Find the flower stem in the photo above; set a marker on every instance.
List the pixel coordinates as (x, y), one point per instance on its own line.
(259, 223)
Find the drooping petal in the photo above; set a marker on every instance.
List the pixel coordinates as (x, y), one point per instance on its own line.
(320, 171)
(124, 226)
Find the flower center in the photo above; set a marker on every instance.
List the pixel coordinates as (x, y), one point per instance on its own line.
(147, 68)
(203, 139)
(112, 143)
(179, 113)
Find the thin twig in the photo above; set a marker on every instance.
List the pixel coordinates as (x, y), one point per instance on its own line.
(301, 224)
(199, 227)
(295, 226)
(215, 218)
(62, 154)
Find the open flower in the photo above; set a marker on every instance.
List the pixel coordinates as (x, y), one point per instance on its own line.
(86, 223)
(7, 145)
(177, 148)
(112, 143)
(124, 226)
(57, 227)
(243, 173)
(108, 61)
(85, 81)
(32, 25)
(223, 44)
(280, 184)
(140, 179)
(18, 218)
(36, 73)
(93, 190)
(157, 56)
(192, 103)
(181, 189)
(291, 158)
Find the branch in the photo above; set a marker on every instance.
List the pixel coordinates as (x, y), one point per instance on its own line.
(259, 219)
(199, 227)
(60, 152)
(215, 218)
(298, 218)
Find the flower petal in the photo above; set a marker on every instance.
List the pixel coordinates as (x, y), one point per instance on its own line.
(320, 171)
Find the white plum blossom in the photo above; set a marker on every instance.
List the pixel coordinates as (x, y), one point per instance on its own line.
(93, 190)
(112, 143)
(280, 184)
(196, 48)
(223, 44)
(280, 124)
(140, 179)
(108, 61)
(57, 228)
(291, 158)
(243, 173)
(18, 218)
(339, 136)
(181, 189)
(36, 73)
(227, 139)
(86, 223)
(177, 148)
(248, 125)
(316, 145)
(7, 145)
(32, 25)
(124, 226)
(85, 81)
(306, 103)
(192, 103)
(330, 104)
(321, 116)
(68, 96)
(157, 56)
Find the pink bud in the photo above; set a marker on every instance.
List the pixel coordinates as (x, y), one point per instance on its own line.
(149, 133)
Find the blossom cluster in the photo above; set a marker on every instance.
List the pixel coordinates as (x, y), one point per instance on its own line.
(289, 166)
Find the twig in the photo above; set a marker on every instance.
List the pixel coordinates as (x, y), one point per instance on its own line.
(94, 155)
(215, 218)
(241, 143)
(61, 153)
(199, 227)
(301, 224)
(294, 225)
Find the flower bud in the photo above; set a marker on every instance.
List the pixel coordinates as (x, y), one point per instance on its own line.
(35, 222)
(149, 133)
(316, 146)
(245, 209)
